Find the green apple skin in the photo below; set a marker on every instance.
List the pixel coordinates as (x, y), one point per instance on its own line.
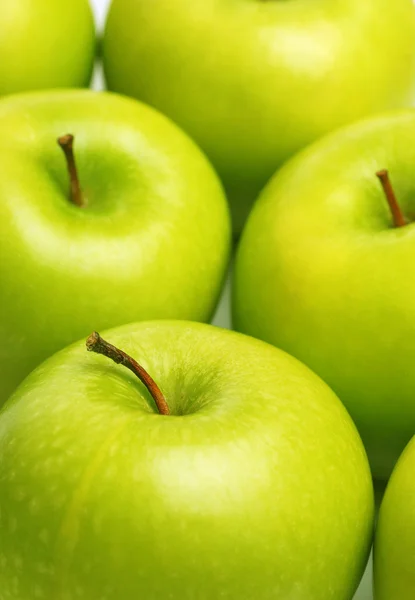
(45, 44)
(394, 568)
(321, 273)
(254, 81)
(256, 486)
(152, 242)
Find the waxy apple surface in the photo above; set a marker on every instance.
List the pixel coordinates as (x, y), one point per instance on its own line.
(322, 273)
(152, 240)
(45, 44)
(256, 486)
(394, 567)
(253, 81)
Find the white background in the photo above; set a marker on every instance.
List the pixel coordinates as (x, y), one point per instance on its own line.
(222, 317)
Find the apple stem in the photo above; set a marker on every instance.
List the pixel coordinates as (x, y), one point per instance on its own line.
(95, 343)
(66, 143)
(398, 217)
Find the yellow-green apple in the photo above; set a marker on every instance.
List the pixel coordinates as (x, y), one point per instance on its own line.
(252, 482)
(253, 81)
(394, 567)
(323, 272)
(150, 239)
(45, 44)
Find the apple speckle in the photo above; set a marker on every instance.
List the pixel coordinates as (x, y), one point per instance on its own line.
(17, 562)
(33, 506)
(20, 494)
(12, 525)
(39, 592)
(44, 536)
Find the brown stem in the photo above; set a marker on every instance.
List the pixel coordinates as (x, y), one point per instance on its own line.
(397, 214)
(95, 343)
(66, 143)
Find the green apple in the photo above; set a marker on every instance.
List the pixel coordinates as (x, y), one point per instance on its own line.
(253, 81)
(322, 273)
(45, 44)
(394, 567)
(254, 486)
(151, 241)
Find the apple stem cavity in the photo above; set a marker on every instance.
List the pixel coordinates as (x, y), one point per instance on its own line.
(76, 195)
(397, 214)
(95, 343)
